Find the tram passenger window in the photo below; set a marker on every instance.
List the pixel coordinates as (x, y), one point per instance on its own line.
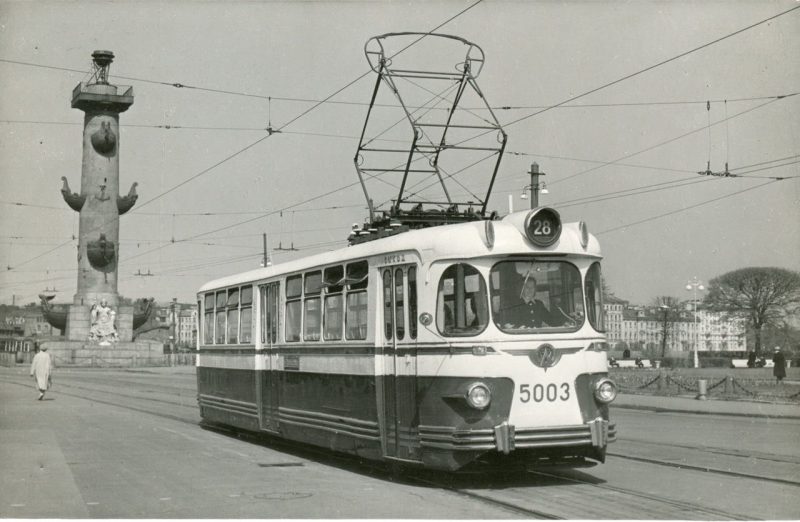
(272, 331)
(387, 304)
(312, 312)
(262, 292)
(269, 313)
(356, 313)
(461, 308)
(233, 316)
(294, 287)
(357, 275)
(208, 319)
(412, 302)
(532, 295)
(220, 325)
(334, 280)
(333, 316)
(246, 315)
(294, 290)
(399, 304)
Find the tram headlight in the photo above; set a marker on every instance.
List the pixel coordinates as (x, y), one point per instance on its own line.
(605, 391)
(478, 396)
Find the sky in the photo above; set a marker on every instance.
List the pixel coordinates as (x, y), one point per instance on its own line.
(623, 158)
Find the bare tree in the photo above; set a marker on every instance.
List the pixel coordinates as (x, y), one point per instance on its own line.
(766, 296)
(667, 312)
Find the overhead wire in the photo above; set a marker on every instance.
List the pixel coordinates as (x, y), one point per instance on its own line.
(660, 144)
(248, 147)
(601, 87)
(683, 209)
(364, 104)
(654, 66)
(414, 42)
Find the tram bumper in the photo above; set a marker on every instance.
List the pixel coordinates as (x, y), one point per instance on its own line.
(596, 433)
(505, 437)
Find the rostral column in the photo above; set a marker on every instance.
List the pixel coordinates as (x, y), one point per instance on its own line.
(98, 202)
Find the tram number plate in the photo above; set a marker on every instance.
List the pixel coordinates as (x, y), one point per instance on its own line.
(394, 258)
(544, 392)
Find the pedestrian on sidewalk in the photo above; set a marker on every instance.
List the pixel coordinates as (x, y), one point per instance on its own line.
(41, 370)
(779, 371)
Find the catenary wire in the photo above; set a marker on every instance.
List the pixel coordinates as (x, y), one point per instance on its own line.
(248, 147)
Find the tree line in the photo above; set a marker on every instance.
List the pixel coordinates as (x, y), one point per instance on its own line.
(767, 297)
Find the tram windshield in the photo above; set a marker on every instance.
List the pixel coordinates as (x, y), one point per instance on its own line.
(527, 296)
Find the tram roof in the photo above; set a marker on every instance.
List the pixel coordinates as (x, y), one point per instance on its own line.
(457, 241)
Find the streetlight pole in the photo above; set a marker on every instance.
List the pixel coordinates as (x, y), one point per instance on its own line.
(535, 186)
(693, 285)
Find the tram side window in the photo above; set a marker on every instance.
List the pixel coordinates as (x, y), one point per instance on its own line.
(208, 319)
(594, 298)
(233, 315)
(246, 315)
(262, 292)
(387, 304)
(312, 311)
(461, 305)
(269, 313)
(357, 279)
(400, 304)
(412, 302)
(198, 323)
(333, 317)
(221, 299)
(294, 291)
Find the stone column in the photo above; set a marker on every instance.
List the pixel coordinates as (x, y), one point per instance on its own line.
(98, 201)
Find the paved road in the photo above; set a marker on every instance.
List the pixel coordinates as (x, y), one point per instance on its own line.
(69, 457)
(123, 444)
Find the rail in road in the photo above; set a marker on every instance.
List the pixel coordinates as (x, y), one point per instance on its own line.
(641, 479)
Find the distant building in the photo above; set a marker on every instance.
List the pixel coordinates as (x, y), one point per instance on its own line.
(174, 322)
(718, 333)
(187, 326)
(21, 328)
(644, 328)
(614, 308)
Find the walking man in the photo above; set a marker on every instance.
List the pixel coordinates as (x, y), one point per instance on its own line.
(41, 368)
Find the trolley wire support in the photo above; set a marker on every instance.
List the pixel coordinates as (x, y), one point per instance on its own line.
(436, 143)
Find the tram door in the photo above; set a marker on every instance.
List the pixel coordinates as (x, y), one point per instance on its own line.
(401, 434)
(267, 391)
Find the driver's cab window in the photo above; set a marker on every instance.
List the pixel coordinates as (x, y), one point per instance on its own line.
(536, 295)
(461, 305)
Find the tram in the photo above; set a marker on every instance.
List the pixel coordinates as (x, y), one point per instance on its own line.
(441, 336)
(418, 348)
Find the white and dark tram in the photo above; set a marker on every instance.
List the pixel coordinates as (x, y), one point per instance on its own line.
(435, 347)
(441, 336)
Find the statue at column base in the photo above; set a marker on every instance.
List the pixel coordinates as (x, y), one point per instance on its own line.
(103, 328)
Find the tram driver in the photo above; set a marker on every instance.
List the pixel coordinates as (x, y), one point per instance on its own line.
(525, 311)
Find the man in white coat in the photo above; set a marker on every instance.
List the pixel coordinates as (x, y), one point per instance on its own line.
(41, 368)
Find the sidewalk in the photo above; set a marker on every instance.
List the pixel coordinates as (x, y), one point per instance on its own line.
(658, 403)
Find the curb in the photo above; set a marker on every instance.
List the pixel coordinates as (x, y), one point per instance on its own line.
(666, 409)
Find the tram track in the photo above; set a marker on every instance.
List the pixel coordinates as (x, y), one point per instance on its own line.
(680, 504)
(716, 451)
(706, 469)
(654, 461)
(106, 391)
